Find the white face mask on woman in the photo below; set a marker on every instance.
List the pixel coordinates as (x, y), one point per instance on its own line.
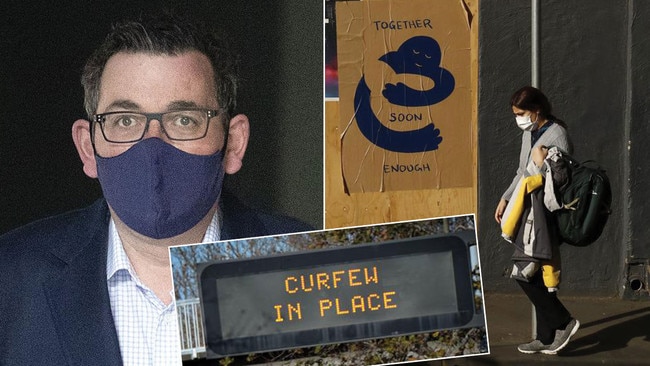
(525, 123)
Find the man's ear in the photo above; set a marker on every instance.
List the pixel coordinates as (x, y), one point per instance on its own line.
(81, 138)
(238, 133)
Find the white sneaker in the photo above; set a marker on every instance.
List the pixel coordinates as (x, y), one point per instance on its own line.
(535, 346)
(562, 337)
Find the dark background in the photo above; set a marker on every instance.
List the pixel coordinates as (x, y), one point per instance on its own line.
(45, 44)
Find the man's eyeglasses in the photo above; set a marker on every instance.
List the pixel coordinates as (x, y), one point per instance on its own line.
(125, 127)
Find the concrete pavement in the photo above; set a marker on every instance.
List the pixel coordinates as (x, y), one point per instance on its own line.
(612, 332)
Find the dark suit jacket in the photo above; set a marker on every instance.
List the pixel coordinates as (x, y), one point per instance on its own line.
(54, 304)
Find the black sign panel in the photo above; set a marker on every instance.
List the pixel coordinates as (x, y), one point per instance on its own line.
(336, 295)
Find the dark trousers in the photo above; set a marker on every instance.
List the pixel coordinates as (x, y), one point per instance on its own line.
(551, 314)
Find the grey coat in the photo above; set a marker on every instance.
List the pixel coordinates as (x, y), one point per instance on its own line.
(555, 135)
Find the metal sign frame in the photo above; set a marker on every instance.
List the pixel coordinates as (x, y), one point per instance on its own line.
(218, 346)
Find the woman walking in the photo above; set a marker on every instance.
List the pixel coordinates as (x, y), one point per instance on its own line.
(538, 276)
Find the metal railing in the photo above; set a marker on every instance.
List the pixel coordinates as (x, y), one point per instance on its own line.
(190, 324)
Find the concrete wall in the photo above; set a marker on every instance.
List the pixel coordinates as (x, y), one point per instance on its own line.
(593, 66)
(638, 239)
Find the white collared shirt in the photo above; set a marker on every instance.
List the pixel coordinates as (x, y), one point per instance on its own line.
(147, 329)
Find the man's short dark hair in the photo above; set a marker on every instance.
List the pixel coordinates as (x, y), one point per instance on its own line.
(164, 34)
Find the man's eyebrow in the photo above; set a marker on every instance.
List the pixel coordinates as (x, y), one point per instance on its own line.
(129, 105)
(123, 104)
(181, 104)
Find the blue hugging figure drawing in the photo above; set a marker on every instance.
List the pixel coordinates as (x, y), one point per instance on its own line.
(419, 55)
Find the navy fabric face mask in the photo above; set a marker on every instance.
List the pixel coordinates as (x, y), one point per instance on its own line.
(158, 190)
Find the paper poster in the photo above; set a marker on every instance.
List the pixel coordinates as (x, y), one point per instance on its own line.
(405, 94)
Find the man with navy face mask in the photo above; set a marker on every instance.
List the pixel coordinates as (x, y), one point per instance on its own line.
(94, 286)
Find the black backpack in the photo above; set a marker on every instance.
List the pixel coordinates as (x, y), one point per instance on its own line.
(587, 198)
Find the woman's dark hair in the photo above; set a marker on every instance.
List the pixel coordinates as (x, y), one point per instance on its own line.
(532, 99)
